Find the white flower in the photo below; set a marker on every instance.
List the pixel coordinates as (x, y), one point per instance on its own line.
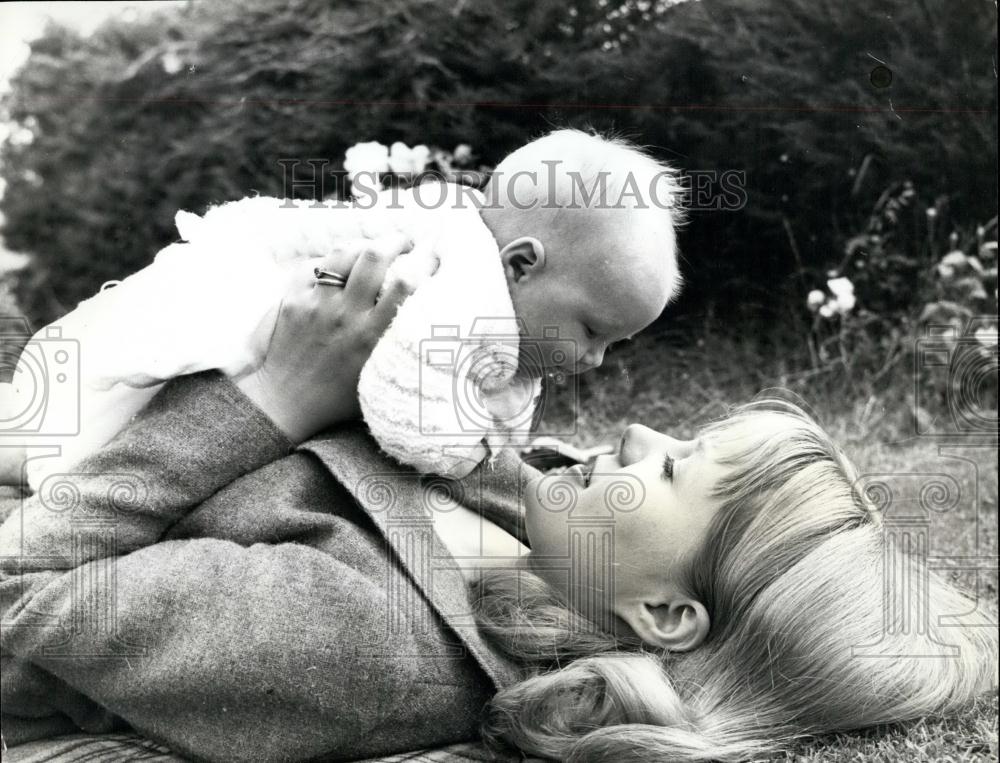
(463, 153)
(945, 271)
(956, 259)
(986, 336)
(843, 295)
(827, 310)
(171, 62)
(931, 213)
(370, 157)
(840, 286)
(844, 303)
(404, 160)
(442, 159)
(815, 299)
(20, 136)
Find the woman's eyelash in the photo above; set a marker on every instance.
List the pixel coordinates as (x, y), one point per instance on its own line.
(668, 467)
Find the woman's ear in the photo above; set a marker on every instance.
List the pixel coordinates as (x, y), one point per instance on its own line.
(678, 624)
(522, 257)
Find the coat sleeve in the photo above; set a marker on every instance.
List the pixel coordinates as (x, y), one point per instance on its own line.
(198, 434)
(219, 650)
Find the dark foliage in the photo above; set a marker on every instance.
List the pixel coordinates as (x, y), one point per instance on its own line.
(184, 110)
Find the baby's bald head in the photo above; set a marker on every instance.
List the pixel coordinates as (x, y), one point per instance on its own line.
(572, 190)
(575, 213)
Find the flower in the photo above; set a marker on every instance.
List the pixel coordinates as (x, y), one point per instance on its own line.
(931, 213)
(20, 136)
(171, 62)
(815, 300)
(840, 286)
(945, 271)
(366, 157)
(955, 259)
(845, 303)
(986, 335)
(404, 160)
(843, 295)
(826, 310)
(442, 159)
(463, 153)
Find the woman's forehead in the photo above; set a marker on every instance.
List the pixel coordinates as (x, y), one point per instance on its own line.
(745, 433)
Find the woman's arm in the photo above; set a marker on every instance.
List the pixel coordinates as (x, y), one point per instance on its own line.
(197, 617)
(197, 435)
(200, 433)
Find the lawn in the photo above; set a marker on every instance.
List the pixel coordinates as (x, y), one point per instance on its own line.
(675, 383)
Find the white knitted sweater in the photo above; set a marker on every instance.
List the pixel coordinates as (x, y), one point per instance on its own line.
(439, 382)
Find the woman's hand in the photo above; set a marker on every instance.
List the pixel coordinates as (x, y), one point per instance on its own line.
(324, 335)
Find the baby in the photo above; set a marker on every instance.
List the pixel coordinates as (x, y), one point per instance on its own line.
(570, 248)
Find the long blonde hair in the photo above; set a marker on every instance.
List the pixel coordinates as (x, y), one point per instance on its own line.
(802, 639)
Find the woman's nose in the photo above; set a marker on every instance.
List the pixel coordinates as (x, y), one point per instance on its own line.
(638, 441)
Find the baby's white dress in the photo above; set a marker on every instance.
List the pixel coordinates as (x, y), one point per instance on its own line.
(440, 381)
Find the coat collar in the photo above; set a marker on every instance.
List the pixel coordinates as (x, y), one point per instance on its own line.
(399, 501)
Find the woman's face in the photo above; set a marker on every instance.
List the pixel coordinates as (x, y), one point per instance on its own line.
(619, 533)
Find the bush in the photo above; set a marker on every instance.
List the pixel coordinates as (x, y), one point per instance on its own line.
(199, 106)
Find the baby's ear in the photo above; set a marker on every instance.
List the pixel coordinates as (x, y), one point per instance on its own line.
(523, 257)
(188, 225)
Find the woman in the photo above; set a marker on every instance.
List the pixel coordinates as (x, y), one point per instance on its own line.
(756, 608)
(216, 589)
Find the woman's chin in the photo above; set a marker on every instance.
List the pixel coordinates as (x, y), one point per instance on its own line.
(547, 502)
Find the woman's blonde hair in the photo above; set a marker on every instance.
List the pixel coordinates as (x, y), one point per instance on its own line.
(802, 641)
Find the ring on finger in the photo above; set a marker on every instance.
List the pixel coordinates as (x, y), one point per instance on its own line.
(329, 278)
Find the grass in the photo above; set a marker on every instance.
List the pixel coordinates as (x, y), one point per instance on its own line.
(674, 384)
(969, 737)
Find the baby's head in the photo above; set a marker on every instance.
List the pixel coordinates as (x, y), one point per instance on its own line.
(585, 227)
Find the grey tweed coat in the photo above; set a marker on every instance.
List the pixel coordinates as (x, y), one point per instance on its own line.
(221, 592)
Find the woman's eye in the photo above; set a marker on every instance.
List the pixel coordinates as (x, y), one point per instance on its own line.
(668, 467)
(589, 332)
